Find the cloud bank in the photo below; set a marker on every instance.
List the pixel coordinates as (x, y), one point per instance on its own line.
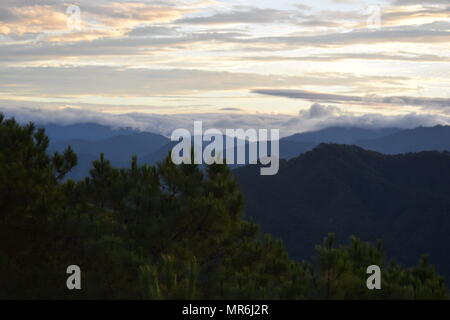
(316, 117)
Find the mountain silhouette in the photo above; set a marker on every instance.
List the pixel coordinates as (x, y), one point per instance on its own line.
(343, 135)
(403, 200)
(84, 131)
(413, 140)
(119, 145)
(118, 149)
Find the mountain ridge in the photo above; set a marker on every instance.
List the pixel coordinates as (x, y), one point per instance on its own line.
(351, 191)
(151, 148)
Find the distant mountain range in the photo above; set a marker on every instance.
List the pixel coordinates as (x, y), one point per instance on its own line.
(90, 139)
(400, 197)
(413, 140)
(84, 131)
(343, 135)
(117, 148)
(403, 200)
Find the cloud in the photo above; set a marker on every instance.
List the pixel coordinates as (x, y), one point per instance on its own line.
(421, 2)
(109, 17)
(391, 35)
(130, 14)
(153, 31)
(395, 16)
(118, 81)
(231, 109)
(314, 118)
(145, 38)
(130, 45)
(32, 19)
(6, 15)
(148, 51)
(338, 98)
(243, 15)
(400, 56)
(343, 1)
(317, 111)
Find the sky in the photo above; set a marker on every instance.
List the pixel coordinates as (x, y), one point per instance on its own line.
(294, 65)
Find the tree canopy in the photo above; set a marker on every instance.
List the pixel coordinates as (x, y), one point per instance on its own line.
(162, 232)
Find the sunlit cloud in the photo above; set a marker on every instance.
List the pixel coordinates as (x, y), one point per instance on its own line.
(315, 117)
(32, 19)
(229, 57)
(340, 99)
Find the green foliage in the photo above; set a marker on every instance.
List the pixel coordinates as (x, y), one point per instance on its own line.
(340, 273)
(171, 279)
(402, 199)
(163, 232)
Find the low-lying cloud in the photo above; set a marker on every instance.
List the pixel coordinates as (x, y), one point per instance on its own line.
(316, 117)
(338, 98)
